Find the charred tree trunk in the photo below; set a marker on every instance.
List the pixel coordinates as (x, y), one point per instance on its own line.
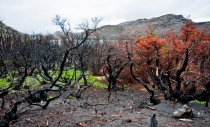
(169, 82)
(182, 69)
(3, 68)
(202, 65)
(113, 73)
(3, 93)
(9, 116)
(41, 95)
(177, 92)
(21, 81)
(61, 68)
(159, 77)
(152, 98)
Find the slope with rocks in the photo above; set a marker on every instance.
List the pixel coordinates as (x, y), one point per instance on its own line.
(162, 24)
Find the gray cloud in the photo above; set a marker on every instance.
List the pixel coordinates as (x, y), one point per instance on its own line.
(37, 15)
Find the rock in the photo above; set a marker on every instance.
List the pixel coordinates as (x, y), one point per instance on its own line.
(128, 120)
(186, 120)
(185, 111)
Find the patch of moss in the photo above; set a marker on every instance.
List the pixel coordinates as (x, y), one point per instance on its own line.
(61, 83)
(67, 74)
(70, 97)
(30, 81)
(125, 86)
(100, 85)
(39, 77)
(55, 88)
(200, 102)
(48, 97)
(4, 83)
(92, 78)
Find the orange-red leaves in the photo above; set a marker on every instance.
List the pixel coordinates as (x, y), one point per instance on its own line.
(149, 44)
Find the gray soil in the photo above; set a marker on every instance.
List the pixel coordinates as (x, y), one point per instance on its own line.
(118, 112)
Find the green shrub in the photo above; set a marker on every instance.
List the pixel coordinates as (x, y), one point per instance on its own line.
(200, 102)
(3, 83)
(30, 81)
(92, 78)
(70, 97)
(100, 85)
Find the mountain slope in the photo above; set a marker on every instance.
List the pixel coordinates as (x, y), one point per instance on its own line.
(4, 29)
(162, 24)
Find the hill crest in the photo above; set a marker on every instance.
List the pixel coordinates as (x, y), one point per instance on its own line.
(162, 24)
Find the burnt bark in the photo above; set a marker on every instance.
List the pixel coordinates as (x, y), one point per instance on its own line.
(182, 69)
(177, 92)
(153, 100)
(113, 73)
(41, 95)
(11, 115)
(3, 93)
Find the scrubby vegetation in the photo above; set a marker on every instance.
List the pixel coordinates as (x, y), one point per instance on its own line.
(176, 66)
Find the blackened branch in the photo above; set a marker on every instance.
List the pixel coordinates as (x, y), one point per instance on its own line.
(152, 98)
(182, 69)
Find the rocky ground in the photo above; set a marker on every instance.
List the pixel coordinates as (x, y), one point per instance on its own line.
(94, 110)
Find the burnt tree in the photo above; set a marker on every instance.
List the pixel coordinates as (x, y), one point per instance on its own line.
(113, 71)
(153, 100)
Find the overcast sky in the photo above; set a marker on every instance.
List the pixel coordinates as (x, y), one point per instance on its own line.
(36, 15)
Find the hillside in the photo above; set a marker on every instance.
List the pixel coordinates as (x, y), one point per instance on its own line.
(169, 22)
(4, 29)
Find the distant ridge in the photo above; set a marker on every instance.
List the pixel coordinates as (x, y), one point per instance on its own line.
(164, 23)
(4, 27)
(168, 22)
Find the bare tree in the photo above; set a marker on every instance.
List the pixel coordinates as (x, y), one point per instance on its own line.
(70, 39)
(114, 67)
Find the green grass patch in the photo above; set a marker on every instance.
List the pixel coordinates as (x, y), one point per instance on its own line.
(48, 97)
(39, 77)
(30, 81)
(66, 74)
(70, 97)
(200, 102)
(93, 78)
(4, 83)
(125, 86)
(100, 85)
(33, 82)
